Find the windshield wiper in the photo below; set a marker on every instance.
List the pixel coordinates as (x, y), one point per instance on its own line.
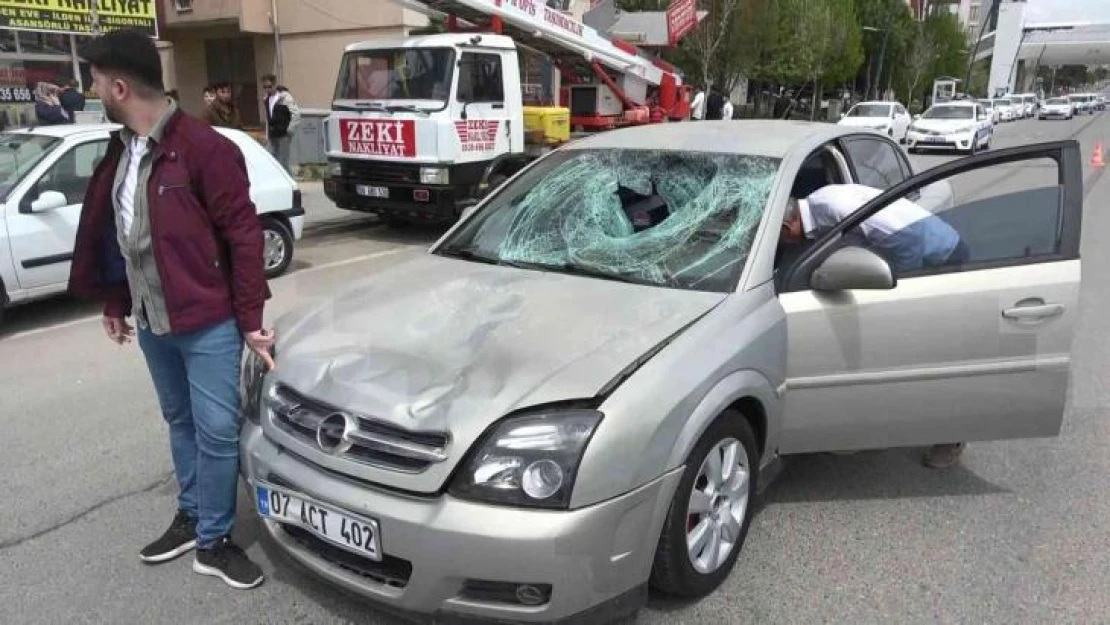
(575, 270)
(406, 108)
(468, 253)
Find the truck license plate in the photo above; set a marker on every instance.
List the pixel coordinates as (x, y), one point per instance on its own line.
(369, 191)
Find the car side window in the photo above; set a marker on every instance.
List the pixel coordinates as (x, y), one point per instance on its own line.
(1017, 221)
(876, 162)
(70, 174)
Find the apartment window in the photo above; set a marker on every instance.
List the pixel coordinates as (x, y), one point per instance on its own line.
(973, 17)
(183, 6)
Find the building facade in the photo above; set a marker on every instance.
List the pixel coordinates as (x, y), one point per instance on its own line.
(209, 41)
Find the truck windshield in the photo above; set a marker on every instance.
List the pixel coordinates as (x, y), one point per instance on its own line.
(396, 74)
(675, 219)
(19, 153)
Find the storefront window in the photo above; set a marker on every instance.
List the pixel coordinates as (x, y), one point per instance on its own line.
(44, 43)
(7, 40)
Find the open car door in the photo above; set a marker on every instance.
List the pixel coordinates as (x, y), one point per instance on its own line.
(973, 348)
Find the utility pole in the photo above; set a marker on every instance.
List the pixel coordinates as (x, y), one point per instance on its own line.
(94, 18)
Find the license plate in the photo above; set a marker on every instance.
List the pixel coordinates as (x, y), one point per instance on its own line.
(369, 191)
(353, 533)
(934, 139)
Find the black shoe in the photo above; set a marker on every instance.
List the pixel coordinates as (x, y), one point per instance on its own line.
(227, 561)
(178, 539)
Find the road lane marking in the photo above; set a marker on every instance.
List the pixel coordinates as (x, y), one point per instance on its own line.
(313, 268)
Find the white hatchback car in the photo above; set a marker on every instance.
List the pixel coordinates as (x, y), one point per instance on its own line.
(959, 125)
(43, 175)
(890, 118)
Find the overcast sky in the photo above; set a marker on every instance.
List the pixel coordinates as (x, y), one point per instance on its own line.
(1068, 10)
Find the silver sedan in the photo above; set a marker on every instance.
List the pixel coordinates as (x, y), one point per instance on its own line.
(578, 393)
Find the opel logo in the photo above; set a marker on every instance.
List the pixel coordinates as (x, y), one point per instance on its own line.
(331, 434)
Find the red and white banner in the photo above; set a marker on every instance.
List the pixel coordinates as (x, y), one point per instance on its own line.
(378, 137)
(478, 135)
(682, 17)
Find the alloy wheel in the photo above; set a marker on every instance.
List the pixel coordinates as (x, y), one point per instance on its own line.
(718, 503)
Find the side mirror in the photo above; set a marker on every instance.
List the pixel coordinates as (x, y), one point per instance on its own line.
(48, 201)
(852, 268)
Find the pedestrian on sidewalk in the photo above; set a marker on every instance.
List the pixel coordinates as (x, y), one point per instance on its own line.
(282, 118)
(222, 111)
(169, 237)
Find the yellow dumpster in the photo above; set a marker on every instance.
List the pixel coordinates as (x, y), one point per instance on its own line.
(549, 125)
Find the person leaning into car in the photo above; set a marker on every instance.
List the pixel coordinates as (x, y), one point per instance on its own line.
(909, 236)
(169, 236)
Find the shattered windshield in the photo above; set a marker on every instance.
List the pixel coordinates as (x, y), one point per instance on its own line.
(396, 74)
(666, 218)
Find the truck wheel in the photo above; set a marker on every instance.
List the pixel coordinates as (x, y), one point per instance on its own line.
(711, 511)
(277, 247)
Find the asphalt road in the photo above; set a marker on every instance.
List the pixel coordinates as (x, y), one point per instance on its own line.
(1020, 532)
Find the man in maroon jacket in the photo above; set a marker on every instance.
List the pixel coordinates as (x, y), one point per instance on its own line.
(169, 236)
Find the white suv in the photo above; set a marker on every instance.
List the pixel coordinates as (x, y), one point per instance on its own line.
(43, 175)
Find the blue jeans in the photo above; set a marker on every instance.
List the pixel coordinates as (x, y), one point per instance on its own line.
(196, 376)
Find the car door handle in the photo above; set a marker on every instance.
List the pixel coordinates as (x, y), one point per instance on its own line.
(1034, 311)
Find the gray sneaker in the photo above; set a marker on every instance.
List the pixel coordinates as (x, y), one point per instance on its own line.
(943, 456)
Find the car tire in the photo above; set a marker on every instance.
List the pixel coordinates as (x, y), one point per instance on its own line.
(277, 247)
(674, 571)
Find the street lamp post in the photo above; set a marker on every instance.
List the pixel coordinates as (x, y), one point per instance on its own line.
(882, 53)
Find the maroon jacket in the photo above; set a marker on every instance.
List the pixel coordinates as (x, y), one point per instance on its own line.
(206, 234)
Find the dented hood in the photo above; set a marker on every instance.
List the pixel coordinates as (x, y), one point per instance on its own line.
(449, 345)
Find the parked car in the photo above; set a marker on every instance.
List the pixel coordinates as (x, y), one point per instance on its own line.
(992, 109)
(1057, 108)
(1082, 103)
(538, 419)
(957, 125)
(890, 118)
(1008, 110)
(43, 175)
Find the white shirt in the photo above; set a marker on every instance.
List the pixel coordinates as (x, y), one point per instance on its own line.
(726, 110)
(829, 205)
(697, 107)
(136, 151)
(272, 100)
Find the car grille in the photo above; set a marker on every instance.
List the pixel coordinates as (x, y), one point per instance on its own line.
(384, 172)
(371, 441)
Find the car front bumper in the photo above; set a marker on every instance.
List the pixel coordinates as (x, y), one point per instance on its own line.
(958, 141)
(438, 550)
(1046, 113)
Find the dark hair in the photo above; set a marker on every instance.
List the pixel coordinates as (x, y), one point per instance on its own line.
(270, 78)
(128, 54)
(223, 84)
(209, 89)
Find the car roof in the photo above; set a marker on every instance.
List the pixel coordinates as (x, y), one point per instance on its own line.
(754, 137)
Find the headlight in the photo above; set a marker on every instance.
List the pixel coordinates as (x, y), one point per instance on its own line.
(434, 175)
(530, 460)
(251, 375)
(335, 168)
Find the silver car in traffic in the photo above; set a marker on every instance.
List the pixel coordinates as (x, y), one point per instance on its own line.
(579, 391)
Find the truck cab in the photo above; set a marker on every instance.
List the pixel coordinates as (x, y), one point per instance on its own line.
(422, 126)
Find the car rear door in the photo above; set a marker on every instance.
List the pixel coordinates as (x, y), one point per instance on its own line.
(977, 349)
